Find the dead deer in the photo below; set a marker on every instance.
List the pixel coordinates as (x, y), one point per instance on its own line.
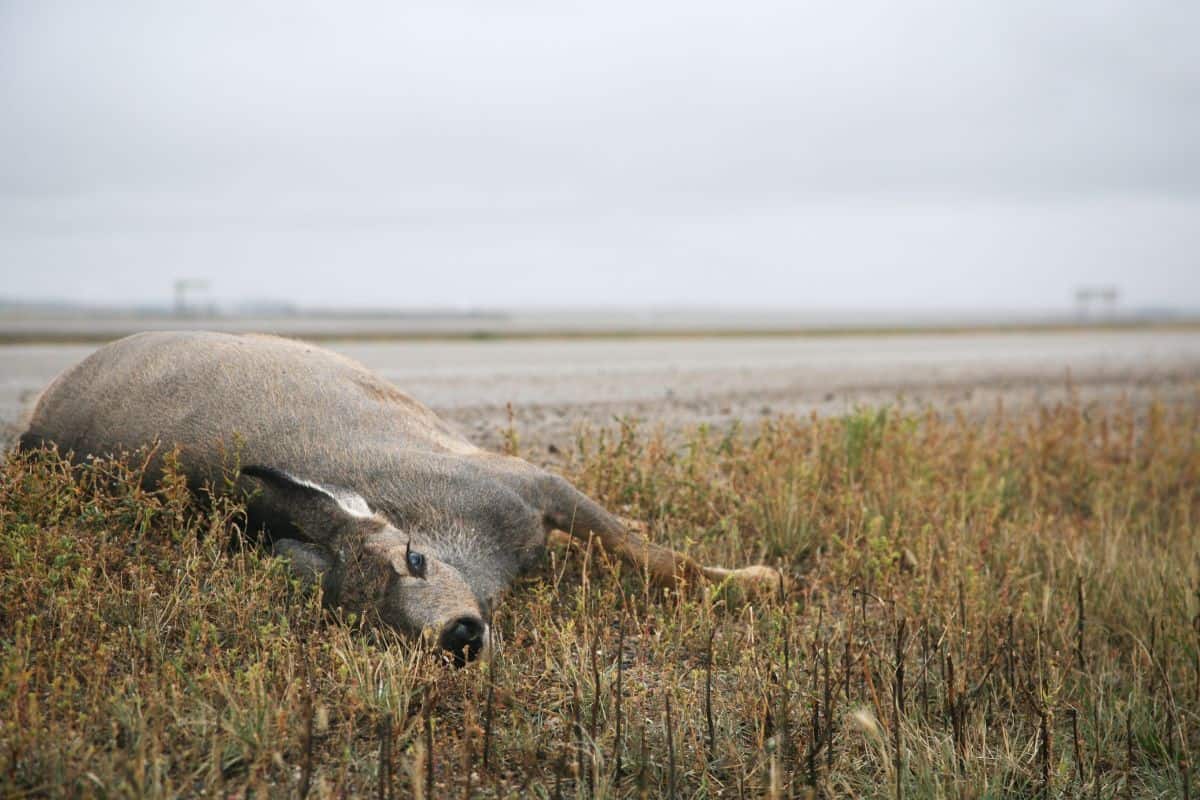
(363, 489)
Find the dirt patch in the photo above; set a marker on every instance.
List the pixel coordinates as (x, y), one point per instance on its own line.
(546, 431)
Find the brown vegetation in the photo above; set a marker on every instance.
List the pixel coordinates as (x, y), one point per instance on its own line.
(999, 608)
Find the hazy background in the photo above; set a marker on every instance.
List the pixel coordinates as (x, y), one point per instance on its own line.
(867, 155)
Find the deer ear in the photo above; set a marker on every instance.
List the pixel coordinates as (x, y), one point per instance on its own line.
(341, 501)
(311, 563)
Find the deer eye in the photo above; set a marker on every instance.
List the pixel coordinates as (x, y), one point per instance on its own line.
(415, 562)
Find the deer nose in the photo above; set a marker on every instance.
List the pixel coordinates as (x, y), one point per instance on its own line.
(463, 637)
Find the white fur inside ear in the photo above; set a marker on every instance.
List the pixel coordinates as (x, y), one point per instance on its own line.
(350, 502)
(353, 504)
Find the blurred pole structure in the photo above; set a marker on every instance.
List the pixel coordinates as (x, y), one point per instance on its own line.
(1107, 296)
(182, 287)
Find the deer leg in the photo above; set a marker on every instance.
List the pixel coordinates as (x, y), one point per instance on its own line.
(572, 512)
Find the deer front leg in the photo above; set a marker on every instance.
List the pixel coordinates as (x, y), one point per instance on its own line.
(569, 510)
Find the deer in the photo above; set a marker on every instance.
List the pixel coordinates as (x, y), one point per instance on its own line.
(364, 491)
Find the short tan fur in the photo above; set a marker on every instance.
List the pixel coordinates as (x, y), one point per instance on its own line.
(362, 487)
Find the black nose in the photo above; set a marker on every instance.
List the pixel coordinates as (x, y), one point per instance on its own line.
(463, 637)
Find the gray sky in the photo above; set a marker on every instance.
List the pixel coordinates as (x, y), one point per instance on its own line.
(819, 155)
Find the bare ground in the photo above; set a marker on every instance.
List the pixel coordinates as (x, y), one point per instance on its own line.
(549, 389)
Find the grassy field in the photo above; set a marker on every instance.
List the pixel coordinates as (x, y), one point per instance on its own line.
(982, 609)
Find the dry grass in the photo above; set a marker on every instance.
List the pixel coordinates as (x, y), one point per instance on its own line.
(999, 608)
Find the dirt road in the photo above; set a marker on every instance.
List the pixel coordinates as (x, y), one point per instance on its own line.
(556, 385)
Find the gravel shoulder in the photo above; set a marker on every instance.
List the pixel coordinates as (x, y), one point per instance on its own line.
(555, 387)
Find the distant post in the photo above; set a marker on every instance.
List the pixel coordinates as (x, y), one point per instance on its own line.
(182, 287)
(1104, 296)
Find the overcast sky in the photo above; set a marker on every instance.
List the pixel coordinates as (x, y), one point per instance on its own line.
(874, 154)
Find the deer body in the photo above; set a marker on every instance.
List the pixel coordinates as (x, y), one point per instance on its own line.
(361, 486)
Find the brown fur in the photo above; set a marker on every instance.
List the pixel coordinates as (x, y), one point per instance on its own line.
(481, 518)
